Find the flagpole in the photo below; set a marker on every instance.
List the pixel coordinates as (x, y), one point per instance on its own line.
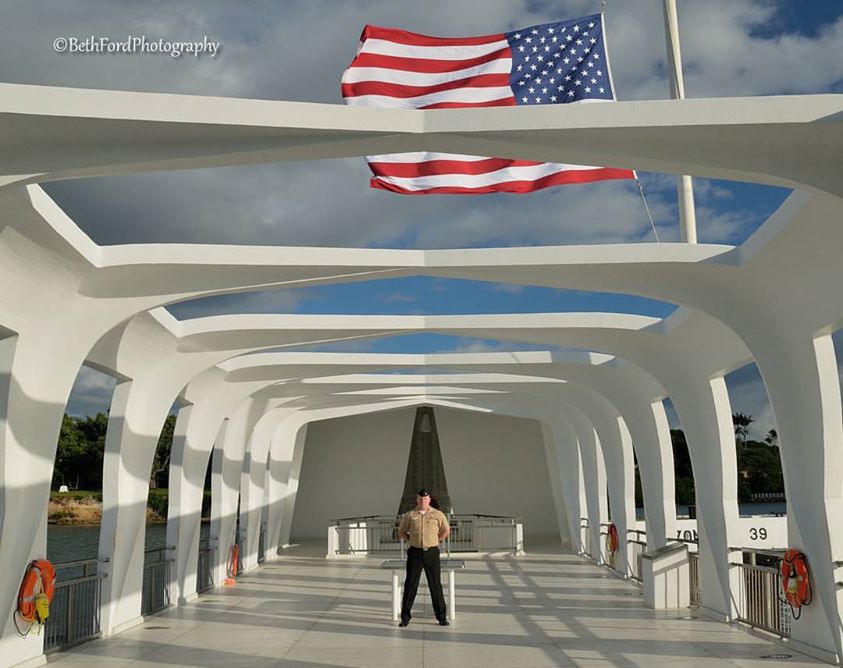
(684, 185)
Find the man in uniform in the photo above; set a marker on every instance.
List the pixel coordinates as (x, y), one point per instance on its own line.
(424, 527)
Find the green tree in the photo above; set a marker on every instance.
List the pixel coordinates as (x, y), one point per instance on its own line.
(741, 422)
(69, 452)
(79, 452)
(759, 470)
(159, 476)
(772, 438)
(682, 469)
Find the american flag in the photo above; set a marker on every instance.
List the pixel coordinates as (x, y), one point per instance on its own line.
(552, 63)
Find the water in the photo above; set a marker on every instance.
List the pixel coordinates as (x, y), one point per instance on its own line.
(70, 543)
(744, 509)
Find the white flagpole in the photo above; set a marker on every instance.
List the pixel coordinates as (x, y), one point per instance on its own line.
(684, 185)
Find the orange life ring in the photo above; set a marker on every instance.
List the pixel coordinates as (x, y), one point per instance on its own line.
(796, 581)
(233, 561)
(612, 538)
(39, 578)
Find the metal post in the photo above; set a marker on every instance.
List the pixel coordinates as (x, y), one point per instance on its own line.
(684, 185)
(452, 593)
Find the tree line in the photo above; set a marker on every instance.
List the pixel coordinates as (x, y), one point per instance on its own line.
(79, 459)
(79, 454)
(759, 465)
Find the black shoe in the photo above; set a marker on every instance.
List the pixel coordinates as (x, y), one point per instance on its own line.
(444, 622)
(404, 622)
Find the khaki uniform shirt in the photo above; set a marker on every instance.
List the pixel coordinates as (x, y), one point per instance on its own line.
(424, 528)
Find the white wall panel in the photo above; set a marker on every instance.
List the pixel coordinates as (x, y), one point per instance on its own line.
(355, 466)
(496, 465)
(352, 466)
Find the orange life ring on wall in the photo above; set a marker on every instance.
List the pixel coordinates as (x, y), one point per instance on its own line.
(36, 592)
(796, 581)
(233, 562)
(612, 538)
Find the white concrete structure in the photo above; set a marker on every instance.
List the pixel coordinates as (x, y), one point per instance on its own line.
(775, 300)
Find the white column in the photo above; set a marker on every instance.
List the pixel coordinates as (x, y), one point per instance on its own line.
(705, 412)
(252, 491)
(800, 372)
(35, 382)
(567, 537)
(197, 427)
(594, 476)
(225, 492)
(615, 447)
(291, 491)
(567, 457)
(281, 453)
(229, 451)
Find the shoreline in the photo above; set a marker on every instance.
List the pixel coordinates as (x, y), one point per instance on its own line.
(73, 509)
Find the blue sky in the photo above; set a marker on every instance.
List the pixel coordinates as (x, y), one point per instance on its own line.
(730, 47)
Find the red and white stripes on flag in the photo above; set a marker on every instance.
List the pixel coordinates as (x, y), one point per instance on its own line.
(399, 69)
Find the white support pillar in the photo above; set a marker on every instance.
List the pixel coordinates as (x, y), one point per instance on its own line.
(35, 382)
(627, 498)
(197, 428)
(800, 371)
(615, 448)
(226, 464)
(566, 537)
(594, 476)
(647, 425)
(567, 458)
(292, 488)
(252, 493)
(705, 412)
(125, 487)
(286, 446)
(229, 452)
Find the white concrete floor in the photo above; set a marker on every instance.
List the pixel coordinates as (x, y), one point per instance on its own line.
(542, 609)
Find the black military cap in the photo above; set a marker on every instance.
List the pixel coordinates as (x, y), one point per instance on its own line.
(424, 492)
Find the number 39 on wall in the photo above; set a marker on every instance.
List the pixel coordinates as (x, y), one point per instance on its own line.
(757, 534)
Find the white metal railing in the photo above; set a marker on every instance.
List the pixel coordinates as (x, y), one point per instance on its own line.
(205, 567)
(585, 536)
(364, 535)
(75, 609)
(637, 538)
(762, 599)
(694, 576)
(378, 535)
(155, 591)
(483, 533)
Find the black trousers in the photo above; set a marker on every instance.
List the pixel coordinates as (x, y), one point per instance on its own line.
(418, 559)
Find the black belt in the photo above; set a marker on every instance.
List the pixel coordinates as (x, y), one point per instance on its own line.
(424, 549)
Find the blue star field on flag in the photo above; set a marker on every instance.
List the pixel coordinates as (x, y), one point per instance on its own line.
(556, 63)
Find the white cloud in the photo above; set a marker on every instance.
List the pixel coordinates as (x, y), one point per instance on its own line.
(463, 344)
(327, 202)
(91, 392)
(297, 51)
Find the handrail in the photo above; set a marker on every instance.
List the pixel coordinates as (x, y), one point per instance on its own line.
(159, 549)
(74, 581)
(756, 567)
(81, 562)
(758, 550)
